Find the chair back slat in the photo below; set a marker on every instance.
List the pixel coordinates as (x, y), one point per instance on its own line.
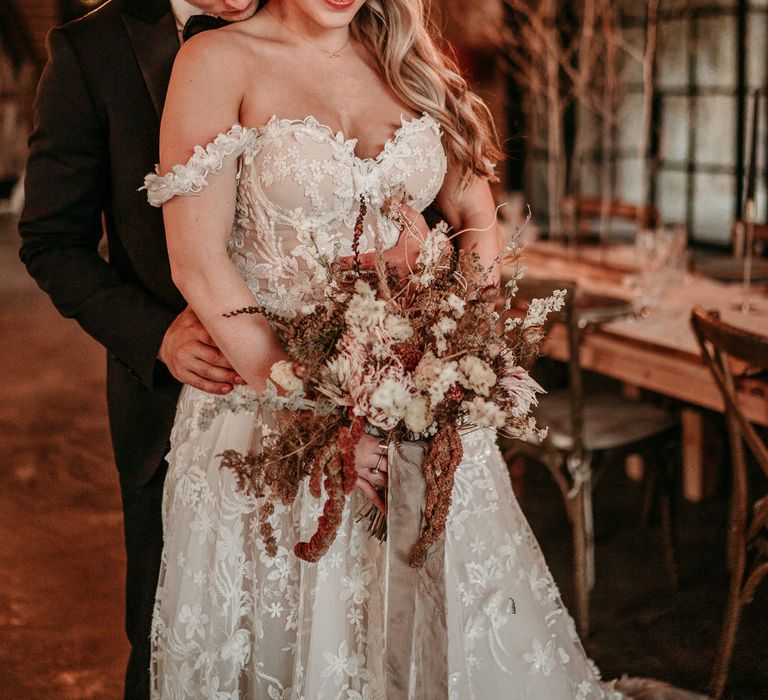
(721, 343)
(737, 343)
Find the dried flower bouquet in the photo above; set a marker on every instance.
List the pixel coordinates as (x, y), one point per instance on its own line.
(425, 358)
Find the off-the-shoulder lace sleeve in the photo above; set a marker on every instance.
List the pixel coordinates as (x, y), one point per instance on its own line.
(192, 177)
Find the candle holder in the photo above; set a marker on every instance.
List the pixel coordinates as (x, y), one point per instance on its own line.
(749, 248)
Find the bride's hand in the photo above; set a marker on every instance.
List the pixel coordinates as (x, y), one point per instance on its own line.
(413, 231)
(371, 465)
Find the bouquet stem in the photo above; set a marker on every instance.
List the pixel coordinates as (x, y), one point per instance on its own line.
(377, 519)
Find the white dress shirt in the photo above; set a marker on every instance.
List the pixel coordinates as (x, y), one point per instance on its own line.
(182, 11)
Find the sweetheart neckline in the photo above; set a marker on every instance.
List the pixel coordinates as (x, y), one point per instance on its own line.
(311, 120)
(191, 177)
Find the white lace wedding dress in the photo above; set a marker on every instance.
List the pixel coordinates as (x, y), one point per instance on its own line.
(232, 622)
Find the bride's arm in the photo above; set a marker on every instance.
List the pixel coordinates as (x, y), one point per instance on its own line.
(203, 100)
(469, 208)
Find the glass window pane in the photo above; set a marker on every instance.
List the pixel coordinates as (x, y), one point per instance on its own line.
(673, 54)
(715, 56)
(587, 151)
(756, 48)
(674, 129)
(628, 179)
(762, 145)
(629, 122)
(670, 195)
(760, 201)
(713, 207)
(587, 129)
(589, 179)
(715, 119)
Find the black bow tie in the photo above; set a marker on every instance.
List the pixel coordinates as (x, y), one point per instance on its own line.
(201, 23)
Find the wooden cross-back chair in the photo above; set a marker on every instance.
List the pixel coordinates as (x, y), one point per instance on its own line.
(722, 347)
(587, 430)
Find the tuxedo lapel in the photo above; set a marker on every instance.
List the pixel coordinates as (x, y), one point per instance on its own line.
(152, 30)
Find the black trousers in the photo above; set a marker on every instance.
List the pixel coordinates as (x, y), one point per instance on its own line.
(143, 526)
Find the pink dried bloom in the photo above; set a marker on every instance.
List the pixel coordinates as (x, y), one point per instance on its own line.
(382, 395)
(522, 389)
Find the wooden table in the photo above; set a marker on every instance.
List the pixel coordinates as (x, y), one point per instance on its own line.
(656, 351)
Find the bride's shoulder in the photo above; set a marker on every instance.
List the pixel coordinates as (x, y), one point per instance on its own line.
(213, 75)
(224, 53)
(235, 45)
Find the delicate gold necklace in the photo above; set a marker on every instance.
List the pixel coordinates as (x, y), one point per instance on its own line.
(330, 54)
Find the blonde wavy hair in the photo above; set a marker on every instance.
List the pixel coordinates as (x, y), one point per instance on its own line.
(399, 34)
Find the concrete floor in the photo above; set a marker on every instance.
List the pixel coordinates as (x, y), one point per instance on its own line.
(61, 558)
(61, 562)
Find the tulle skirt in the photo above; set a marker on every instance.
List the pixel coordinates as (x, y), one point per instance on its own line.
(233, 623)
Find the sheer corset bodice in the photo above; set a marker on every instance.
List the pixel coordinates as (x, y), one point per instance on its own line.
(299, 192)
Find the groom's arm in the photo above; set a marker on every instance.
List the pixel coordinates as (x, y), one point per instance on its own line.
(66, 187)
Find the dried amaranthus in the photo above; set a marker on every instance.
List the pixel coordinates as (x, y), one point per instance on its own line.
(333, 509)
(443, 456)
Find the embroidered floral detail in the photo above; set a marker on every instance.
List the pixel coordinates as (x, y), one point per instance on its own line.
(192, 177)
(542, 658)
(194, 619)
(342, 663)
(237, 648)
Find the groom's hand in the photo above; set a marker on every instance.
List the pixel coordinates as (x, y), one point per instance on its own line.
(191, 355)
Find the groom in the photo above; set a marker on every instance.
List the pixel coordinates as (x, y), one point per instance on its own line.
(96, 135)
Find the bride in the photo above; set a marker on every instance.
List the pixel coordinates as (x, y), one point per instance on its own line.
(332, 101)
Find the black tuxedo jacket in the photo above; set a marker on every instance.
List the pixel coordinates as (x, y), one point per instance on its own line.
(96, 135)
